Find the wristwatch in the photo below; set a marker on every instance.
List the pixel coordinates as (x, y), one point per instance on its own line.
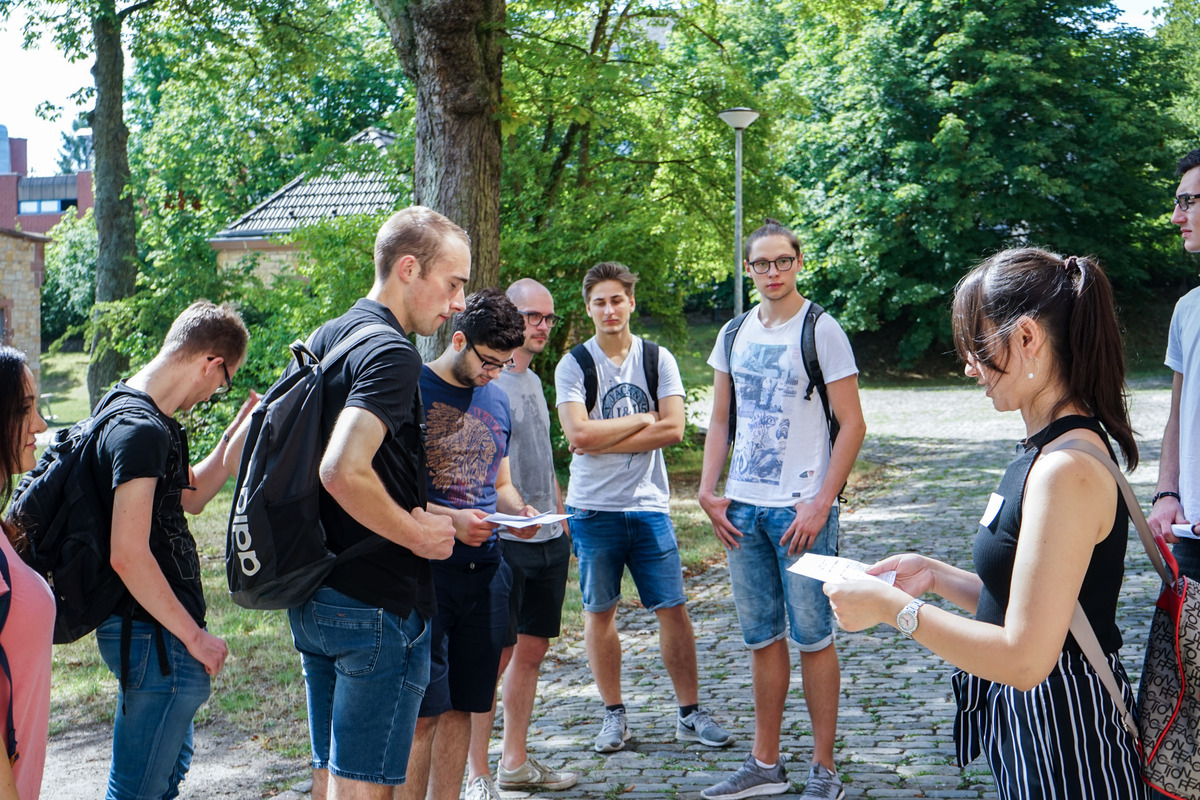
(906, 620)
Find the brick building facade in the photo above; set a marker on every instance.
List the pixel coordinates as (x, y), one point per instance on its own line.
(22, 269)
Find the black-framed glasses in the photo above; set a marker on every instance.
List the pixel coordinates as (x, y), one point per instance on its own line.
(225, 387)
(763, 265)
(488, 364)
(536, 318)
(1184, 201)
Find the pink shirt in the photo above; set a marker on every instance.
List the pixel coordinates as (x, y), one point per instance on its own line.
(27, 638)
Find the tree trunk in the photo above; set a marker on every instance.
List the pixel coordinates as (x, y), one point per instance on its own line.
(450, 49)
(116, 264)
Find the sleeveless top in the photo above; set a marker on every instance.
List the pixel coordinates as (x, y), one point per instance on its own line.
(996, 543)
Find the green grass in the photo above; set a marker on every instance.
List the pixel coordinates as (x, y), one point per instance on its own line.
(64, 378)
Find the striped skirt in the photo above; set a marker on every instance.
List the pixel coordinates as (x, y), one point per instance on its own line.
(1061, 740)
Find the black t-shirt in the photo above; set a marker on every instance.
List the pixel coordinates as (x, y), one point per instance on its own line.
(149, 444)
(381, 379)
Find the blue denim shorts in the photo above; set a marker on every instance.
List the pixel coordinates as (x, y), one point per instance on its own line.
(467, 636)
(366, 670)
(763, 588)
(606, 542)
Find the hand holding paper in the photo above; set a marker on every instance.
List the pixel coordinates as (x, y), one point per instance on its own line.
(833, 568)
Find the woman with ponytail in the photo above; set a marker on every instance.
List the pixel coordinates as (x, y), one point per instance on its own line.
(29, 627)
(1040, 335)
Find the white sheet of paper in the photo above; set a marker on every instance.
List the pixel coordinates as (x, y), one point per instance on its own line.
(1183, 531)
(513, 521)
(833, 568)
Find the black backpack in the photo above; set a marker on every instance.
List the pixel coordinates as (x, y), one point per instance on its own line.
(275, 553)
(591, 383)
(69, 528)
(812, 365)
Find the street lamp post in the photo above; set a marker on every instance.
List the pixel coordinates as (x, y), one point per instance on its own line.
(739, 119)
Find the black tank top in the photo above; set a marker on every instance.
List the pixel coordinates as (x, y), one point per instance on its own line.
(996, 544)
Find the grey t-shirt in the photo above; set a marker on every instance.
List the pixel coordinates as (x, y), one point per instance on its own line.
(530, 454)
(618, 481)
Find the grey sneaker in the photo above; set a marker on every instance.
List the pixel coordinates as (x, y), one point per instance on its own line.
(535, 775)
(822, 785)
(700, 727)
(482, 788)
(613, 733)
(750, 780)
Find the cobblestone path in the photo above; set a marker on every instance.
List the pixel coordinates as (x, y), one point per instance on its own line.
(942, 452)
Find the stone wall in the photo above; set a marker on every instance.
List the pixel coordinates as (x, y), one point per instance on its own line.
(22, 268)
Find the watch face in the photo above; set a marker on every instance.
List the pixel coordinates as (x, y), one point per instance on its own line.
(907, 621)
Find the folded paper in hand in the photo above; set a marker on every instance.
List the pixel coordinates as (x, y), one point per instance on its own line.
(514, 521)
(832, 568)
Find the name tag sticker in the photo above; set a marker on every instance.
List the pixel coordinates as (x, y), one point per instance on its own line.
(993, 508)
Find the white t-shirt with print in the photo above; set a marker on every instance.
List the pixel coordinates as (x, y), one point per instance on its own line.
(781, 450)
(618, 481)
(1183, 356)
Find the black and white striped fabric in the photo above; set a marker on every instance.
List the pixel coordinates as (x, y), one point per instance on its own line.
(1061, 740)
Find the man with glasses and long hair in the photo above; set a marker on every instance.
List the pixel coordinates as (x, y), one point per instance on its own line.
(1177, 495)
(781, 501)
(468, 478)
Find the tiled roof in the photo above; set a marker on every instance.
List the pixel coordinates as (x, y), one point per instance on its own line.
(304, 201)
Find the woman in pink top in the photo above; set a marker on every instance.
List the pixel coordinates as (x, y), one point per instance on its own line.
(29, 629)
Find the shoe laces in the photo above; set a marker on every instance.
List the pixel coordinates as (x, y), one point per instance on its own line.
(613, 721)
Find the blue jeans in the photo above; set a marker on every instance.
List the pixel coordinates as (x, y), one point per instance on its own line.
(763, 589)
(366, 670)
(606, 542)
(152, 737)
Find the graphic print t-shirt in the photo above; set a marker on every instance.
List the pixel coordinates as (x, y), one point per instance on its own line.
(782, 442)
(467, 432)
(618, 481)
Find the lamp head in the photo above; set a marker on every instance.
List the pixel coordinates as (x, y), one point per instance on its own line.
(738, 118)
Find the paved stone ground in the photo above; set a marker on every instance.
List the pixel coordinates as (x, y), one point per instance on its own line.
(942, 451)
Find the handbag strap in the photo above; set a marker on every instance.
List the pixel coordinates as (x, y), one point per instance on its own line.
(1081, 628)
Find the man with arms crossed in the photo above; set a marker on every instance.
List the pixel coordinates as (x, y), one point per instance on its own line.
(164, 669)
(1177, 495)
(364, 637)
(619, 501)
(539, 563)
(780, 502)
(468, 479)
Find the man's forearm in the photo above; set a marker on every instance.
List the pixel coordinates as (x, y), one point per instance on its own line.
(841, 460)
(596, 434)
(662, 433)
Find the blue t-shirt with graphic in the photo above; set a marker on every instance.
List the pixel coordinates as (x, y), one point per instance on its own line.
(467, 432)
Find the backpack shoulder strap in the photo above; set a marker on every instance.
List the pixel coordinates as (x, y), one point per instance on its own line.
(812, 365)
(5, 604)
(731, 332)
(590, 382)
(808, 350)
(650, 370)
(359, 335)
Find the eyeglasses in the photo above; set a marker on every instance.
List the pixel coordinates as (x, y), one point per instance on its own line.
(224, 388)
(1184, 201)
(488, 364)
(535, 318)
(763, 266)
